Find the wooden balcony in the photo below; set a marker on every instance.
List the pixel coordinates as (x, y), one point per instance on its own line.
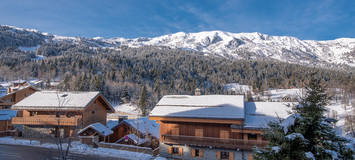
(213, 142)
(46, 121)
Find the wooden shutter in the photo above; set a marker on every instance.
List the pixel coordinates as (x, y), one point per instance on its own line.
(180, 151)
(193, 152)
(231, 156)
(201, 152)
(175, 131)
(170, 150)
(218, 155)
(199, 132)
(250, 156)
(259, 137)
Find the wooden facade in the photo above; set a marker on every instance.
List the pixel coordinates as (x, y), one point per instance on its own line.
(71, 119)
(16, 96)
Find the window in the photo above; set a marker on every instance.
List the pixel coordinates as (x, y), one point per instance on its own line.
(29, 94)
(252, 136)
(7, 107)
(175, 150)
(196, 153)
(24, 94)
(225, 155)
(93, 112)
(9, 100)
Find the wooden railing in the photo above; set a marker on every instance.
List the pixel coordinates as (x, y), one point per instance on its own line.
(46, 121)
(213, 142)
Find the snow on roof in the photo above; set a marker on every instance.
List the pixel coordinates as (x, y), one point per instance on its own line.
(6, 114)
(203, 106)
(144, 125)
(57, 100)
(103, 130)
(111, 123)
(133, 137)
(259, 113)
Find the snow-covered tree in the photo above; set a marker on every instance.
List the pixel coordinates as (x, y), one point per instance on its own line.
(307, 133)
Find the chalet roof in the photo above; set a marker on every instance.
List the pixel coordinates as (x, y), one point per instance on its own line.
(259, 113)
(20, 89)
(6, 114)
(203, 106)
(143, 124)
(60, 101)
(133, 137)
(100, 128)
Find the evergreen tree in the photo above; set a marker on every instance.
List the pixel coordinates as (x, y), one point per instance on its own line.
(143, 100)
(126, 97)
(307, 133)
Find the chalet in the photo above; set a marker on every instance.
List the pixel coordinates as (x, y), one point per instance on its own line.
(16, 96)
(211, 126)
(286, 99)
(5, 119)
(94, 133)
(141, 132)
(60, 113)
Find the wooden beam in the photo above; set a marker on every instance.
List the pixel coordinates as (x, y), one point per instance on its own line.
(198, 120)
(246, 131)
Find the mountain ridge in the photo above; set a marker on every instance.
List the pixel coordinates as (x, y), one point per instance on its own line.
(329, 53)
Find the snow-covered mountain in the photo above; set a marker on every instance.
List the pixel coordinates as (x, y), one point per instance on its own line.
(238, 45)
(242, 45)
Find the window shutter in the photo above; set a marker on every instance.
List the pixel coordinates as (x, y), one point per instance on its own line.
(201, 153)
(218, 155)
(250, 156)
(193, 152)
(231, 156)
(180, 151)
(170, 150)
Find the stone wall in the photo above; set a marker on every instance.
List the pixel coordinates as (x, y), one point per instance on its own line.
(38, 131)
(208, 153)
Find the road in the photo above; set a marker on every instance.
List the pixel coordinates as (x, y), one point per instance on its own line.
(18, 152)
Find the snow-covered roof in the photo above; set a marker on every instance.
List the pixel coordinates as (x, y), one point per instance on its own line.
(59, 101)
(6, 114)
(259, 113)
(203, 106)
(111, 123)
(100, 128)
(144, 125)
(133, 137)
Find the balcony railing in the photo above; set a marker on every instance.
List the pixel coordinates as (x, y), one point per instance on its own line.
(213, 142)
(46, 121)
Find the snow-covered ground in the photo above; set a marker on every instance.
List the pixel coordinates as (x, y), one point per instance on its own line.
(79, 148)
(127, 109)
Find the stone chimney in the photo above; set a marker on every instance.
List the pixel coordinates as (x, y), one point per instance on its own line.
(197, 92)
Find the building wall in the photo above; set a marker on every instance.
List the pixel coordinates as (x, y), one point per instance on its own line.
(188, 129)
(3, 126)
(39, 131)
(119, 132)
(208, 153)
(94, 112)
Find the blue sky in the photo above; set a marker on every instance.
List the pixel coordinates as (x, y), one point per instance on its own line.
(306, 20)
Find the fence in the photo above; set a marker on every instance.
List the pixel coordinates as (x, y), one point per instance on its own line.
(131, 148)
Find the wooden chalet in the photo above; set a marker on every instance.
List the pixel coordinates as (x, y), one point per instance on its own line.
(13, 97)
(208, 127)
(63, 112)
(94, 133)
(141, 132)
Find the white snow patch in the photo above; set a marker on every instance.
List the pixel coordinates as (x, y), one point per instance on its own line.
(294, 135)
(79, 148)
(310, 155)
(276, 149)
(289, 121)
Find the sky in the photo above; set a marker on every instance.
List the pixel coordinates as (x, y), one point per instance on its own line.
(303, 19)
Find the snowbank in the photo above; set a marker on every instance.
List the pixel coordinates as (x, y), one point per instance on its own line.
(77, 147)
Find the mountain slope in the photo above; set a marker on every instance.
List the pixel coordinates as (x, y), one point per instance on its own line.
(237, 45)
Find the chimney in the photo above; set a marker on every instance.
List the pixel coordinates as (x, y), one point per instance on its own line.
(122, 118)
(197, 92)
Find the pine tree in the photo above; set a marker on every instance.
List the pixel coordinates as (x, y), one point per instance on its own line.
(307, 133)
(143, 100)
